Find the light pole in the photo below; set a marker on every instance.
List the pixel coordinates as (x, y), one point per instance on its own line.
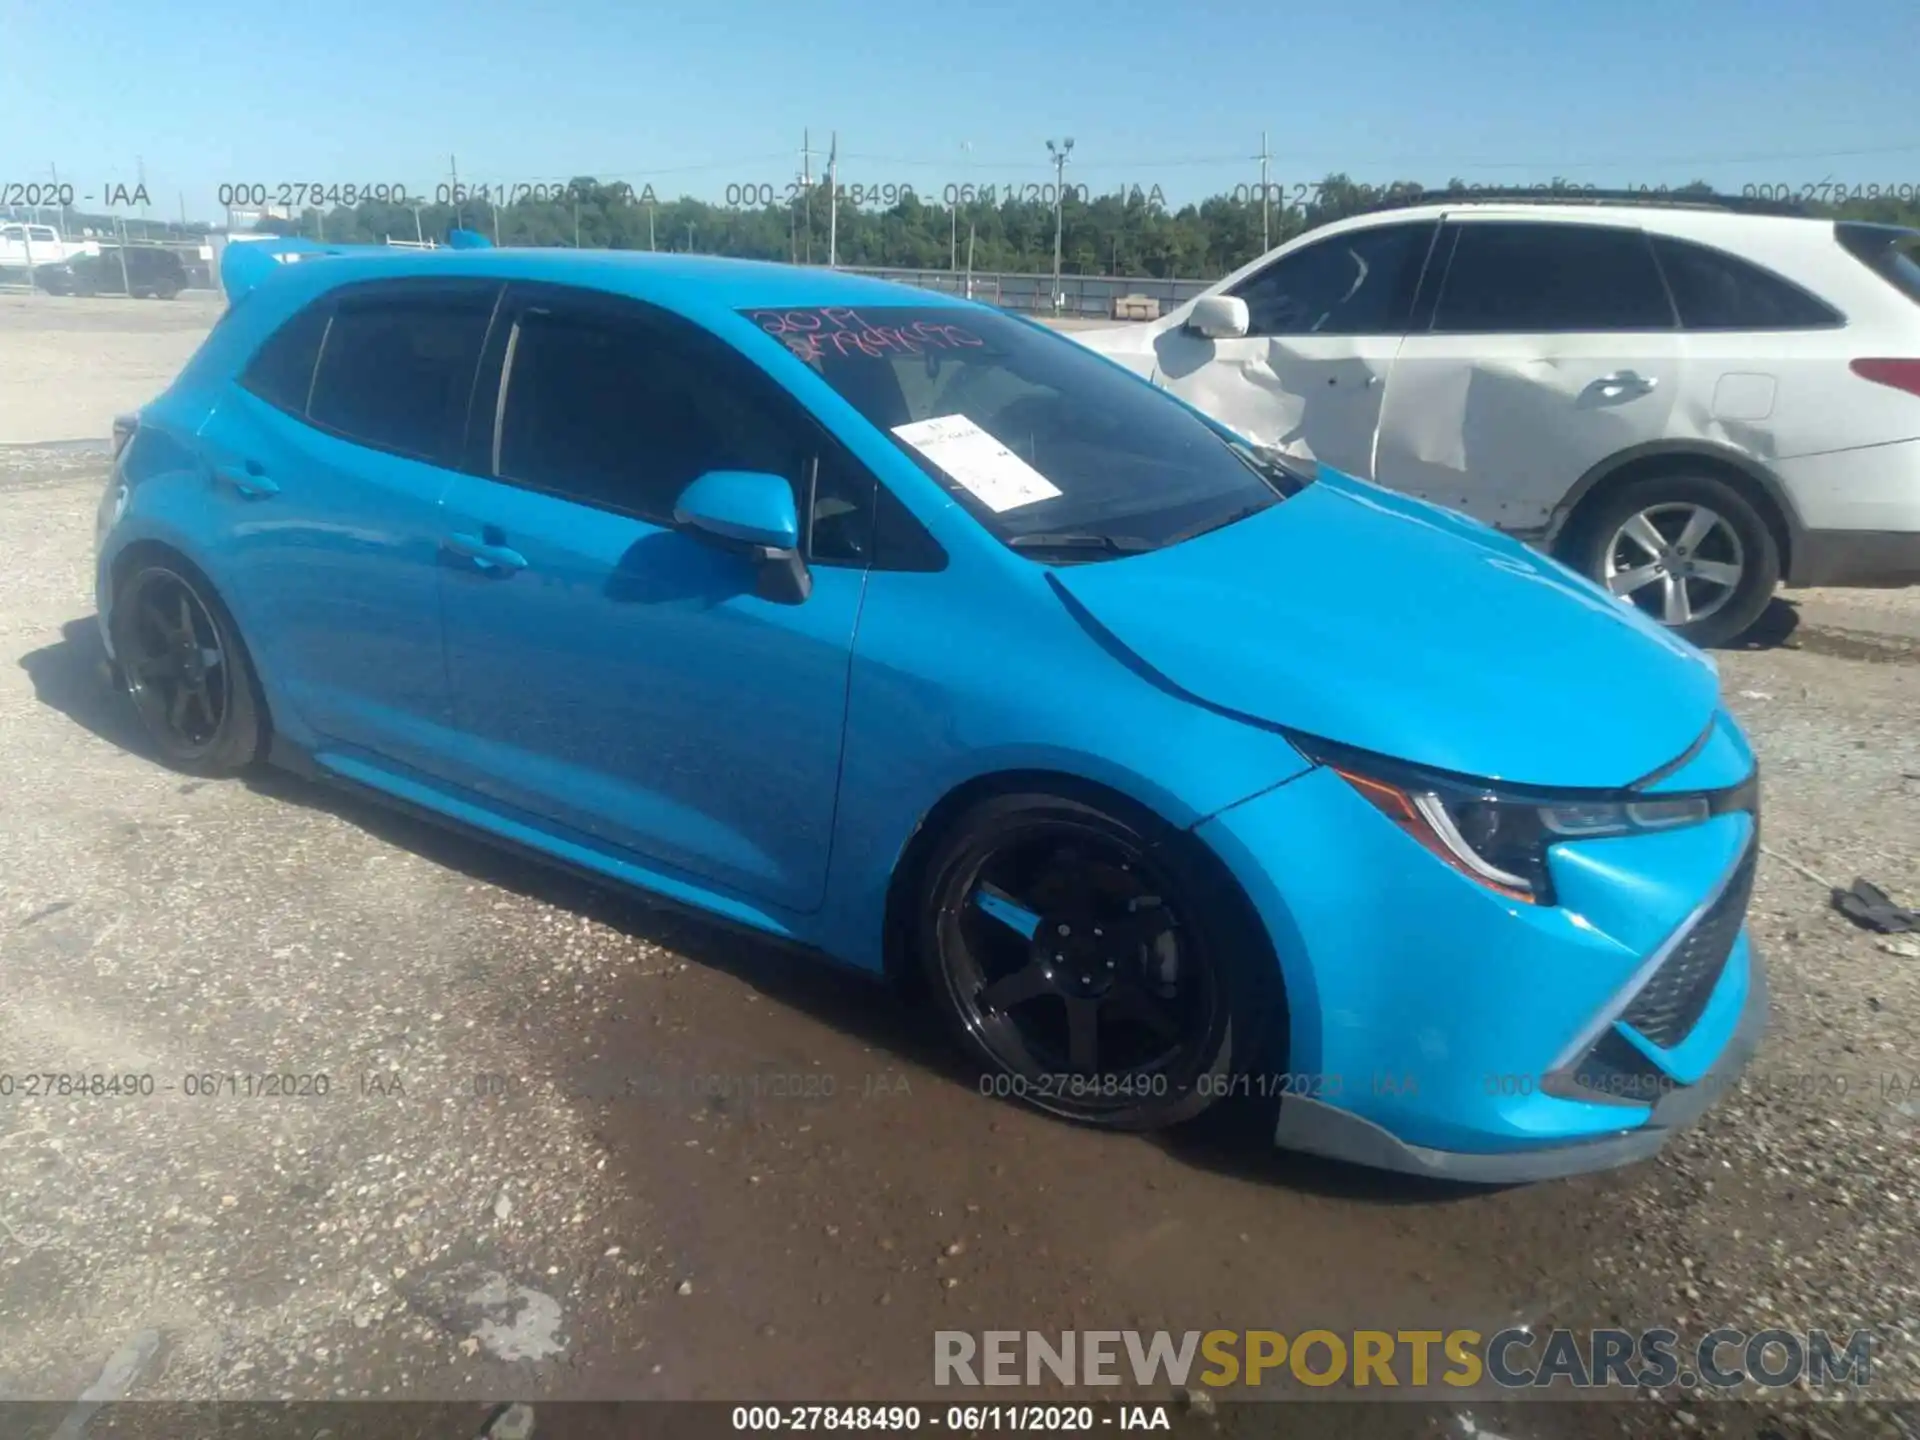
(1059, 153)
(960, 194)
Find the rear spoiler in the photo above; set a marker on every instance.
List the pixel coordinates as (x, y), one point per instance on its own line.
(245, 263)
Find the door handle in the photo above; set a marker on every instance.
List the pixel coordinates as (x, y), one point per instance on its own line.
(495, 559)
(252, 482)
(1625, 382)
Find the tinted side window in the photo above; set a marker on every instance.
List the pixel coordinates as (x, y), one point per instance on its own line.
(1519, 277)
(1359, 283)
(840, 527)
(281, 371)
(1891, 251)
(899, 541)
(397, 370)
(624, 412)
(1717, 291)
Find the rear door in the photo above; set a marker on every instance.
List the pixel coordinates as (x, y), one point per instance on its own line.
(1326, 321)
(1551, 345)
(611, 675)
(330, 456)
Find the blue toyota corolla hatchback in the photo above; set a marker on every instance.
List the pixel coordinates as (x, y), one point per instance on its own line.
(910, 632)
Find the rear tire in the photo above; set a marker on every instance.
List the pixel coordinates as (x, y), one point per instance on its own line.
(1092, 962)
(184, 666)
(1688, 549)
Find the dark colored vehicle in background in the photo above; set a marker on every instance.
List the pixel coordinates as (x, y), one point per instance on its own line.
(150, 270)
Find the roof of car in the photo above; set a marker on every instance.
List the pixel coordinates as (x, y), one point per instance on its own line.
(1652, 215)
(680, 280)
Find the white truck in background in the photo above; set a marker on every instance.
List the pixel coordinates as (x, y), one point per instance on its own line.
(24, 244)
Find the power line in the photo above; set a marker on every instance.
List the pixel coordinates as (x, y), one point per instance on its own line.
(1167, 162)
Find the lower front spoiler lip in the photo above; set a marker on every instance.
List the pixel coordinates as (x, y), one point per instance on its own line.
(1317, 1128)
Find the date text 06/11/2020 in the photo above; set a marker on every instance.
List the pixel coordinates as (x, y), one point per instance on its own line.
(959, 1419)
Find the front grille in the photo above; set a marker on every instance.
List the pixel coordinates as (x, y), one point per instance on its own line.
(1669, 1006)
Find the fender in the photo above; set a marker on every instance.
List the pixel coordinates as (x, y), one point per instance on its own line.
(1769, 483)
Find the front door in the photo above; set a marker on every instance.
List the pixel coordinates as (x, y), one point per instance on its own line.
(613, 676)
(1325, 322)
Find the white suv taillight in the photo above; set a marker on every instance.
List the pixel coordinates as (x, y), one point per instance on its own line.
(1900, 374)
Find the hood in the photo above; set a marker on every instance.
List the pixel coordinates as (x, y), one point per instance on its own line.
(1361, 616)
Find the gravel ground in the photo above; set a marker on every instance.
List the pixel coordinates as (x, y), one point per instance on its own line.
(403, 1235)
(68, 365)
(553, 1235)
(311, 1166)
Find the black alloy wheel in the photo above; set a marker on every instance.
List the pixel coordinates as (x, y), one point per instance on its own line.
(186, 672)
(1080, 963)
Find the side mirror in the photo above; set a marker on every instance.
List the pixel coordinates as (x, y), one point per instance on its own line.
(1219, 317)
(752, 514)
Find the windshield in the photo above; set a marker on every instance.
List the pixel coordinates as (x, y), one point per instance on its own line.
(1055, 450)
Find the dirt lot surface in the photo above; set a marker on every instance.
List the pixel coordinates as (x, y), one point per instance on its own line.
(400, 1116)
(68, 365)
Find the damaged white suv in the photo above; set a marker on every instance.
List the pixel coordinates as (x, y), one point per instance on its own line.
(1687, 402)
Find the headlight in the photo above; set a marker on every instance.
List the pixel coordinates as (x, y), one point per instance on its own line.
(1499, 835)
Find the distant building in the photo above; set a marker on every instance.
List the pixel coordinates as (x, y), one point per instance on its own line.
(246, 218)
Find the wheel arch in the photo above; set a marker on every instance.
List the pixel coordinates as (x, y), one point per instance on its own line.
(148, 547)
(939, 821)
(1753, 480)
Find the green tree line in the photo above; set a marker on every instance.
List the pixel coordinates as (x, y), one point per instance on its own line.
(1136, 234)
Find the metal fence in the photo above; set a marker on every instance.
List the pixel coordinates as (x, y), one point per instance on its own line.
(197, 257)
(1080, 295)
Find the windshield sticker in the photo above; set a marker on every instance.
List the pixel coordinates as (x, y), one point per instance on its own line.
(1000, 479)
(834, 329)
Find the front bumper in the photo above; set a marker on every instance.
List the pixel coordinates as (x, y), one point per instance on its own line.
(1318, 1128)
(1435, 1026)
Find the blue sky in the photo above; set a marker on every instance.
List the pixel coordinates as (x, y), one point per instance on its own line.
(692, 98)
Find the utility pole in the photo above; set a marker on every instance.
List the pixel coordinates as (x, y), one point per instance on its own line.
(833, 201)
(576, 219)
(953, 240)
(1266, 205)
(1059, 153)
(689, 237)
(459, 210)
(126, 281)
(806, 186)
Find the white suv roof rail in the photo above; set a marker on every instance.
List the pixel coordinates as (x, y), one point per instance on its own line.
(1657, 200)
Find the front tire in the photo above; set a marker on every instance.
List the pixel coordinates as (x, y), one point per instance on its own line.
(182, 663)
(1689, 550)
(1089, 962)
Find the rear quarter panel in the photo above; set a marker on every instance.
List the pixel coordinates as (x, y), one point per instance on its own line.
(1782, 395)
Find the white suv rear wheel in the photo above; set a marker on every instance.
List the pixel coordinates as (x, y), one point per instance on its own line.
(1689, 550)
